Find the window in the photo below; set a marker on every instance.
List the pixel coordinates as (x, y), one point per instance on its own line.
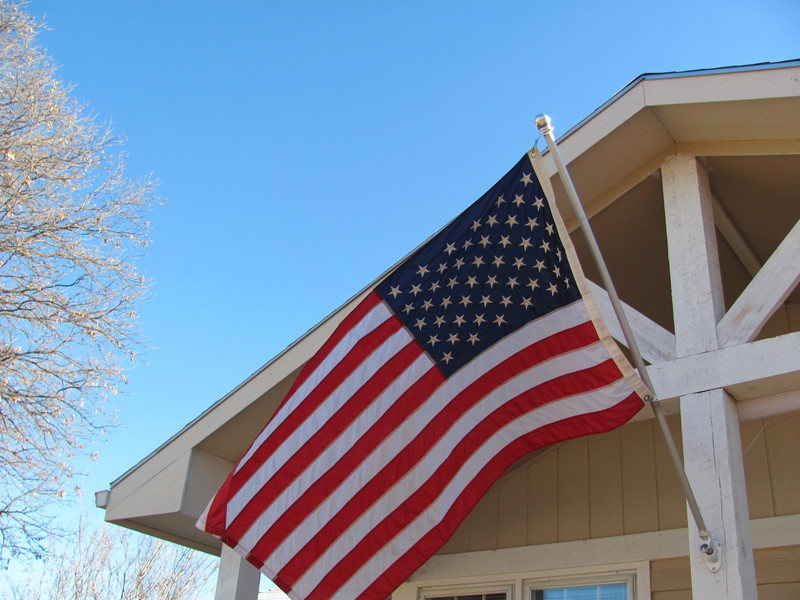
(492, 591)
(493, 596)
(608, 586)
(608, 591)
(621, 581)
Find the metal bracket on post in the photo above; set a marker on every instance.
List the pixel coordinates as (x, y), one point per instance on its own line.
(712, 550)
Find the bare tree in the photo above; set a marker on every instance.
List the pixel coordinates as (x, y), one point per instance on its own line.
(71, 224)
(109, 563)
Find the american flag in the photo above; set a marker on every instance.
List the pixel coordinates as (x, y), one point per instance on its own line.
(477, 350)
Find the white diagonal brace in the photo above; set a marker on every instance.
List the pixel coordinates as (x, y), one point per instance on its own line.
(764, 295)
(655, 343)
(735, 239)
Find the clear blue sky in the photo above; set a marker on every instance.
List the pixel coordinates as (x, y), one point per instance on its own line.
(304, 147)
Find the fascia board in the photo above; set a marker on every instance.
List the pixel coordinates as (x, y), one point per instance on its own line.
(723, 87)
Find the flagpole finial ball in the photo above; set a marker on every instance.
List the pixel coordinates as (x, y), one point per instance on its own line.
(544, 123)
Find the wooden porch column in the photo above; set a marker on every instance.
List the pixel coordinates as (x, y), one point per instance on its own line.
(711, 444)
(237, 579)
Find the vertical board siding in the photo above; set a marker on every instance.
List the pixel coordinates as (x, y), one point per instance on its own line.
(778, 565)
(605, 485)
(573, 490)
(513, 496)
(671, 503)
(756, 469)
(778, 573)
(639, 491)
(483, 529)
(542, 513)
(677, 595)
(459, 541)
(784, 462)
(670, 575)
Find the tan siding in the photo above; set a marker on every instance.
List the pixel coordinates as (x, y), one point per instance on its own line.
(605, 485)
(677, 595)
(483, 528)
(756, 469)
(573, 490)
(671, 503)
(781, 436)
(778, 573)
(543, 498)
(670, 575)
(779, 591)
(778, 565)
(639, 495)
(459, 541)
(513, 493)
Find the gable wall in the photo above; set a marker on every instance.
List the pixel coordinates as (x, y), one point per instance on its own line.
(619, 483)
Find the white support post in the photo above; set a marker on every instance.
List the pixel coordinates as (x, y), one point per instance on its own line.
(237, 579)
(711, 445)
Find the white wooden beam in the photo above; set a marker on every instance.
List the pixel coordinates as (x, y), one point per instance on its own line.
(697, 298)
(655, 343)
(726, 367)
(712, 451)
(765, 294)
(237, 579)
(711, 443)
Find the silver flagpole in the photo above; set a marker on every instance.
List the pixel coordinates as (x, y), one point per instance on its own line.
(711, 548)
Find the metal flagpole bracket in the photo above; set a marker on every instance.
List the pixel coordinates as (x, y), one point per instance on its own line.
(711, 549)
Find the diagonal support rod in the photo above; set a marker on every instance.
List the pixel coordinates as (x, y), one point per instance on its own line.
(709, 547)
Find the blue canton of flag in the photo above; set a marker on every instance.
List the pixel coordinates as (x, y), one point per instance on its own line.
(496, 267)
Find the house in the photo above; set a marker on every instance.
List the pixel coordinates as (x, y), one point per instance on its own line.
(692, 184)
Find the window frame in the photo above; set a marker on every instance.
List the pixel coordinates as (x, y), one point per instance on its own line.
(493, 587)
